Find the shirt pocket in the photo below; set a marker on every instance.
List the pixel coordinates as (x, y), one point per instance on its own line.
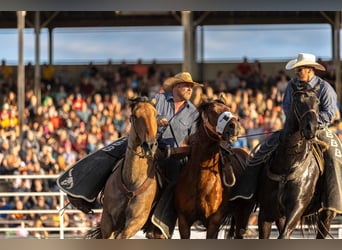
(184, 124)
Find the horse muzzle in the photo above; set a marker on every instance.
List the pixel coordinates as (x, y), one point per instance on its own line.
(231, 132)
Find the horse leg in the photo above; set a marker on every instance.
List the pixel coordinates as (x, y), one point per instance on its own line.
(242, 217)
(106, 225)
(214, 223)
(324, 220)
(280, 223)
(291, 222)
(184, 227)
(264, 227)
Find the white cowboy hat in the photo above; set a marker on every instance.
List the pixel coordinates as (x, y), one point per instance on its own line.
(183, 77)
(304, 59)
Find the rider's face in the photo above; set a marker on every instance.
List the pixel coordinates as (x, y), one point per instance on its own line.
(303, 73)
(183, 91)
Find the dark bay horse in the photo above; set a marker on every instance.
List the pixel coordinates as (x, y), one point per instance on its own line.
(289, 177)
(130, 190)
(203, 189)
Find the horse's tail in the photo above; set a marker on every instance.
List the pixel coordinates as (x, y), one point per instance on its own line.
(94, 233)
(228, 221)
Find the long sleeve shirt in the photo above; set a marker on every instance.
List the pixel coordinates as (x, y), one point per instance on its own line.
(326, 95)
(183, 123)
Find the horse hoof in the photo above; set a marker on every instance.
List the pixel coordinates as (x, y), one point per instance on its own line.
(155, 235)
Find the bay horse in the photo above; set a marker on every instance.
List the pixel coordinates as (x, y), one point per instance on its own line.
(203, 189)
(130, 190)
(287, 189)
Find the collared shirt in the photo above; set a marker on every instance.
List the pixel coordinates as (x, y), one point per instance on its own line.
(182, 123)
(326, 95)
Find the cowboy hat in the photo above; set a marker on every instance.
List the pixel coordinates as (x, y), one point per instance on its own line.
(183, 77)
(304, 59)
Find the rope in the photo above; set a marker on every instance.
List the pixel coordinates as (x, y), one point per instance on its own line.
(264, 133)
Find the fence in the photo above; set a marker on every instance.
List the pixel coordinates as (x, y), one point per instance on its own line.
(24, 227)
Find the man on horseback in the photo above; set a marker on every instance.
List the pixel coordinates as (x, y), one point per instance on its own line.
(304, 67)
(176, 119)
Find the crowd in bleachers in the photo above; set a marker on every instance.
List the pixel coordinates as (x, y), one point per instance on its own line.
(75, 118)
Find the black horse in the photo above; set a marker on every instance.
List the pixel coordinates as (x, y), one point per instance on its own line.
(287, 183)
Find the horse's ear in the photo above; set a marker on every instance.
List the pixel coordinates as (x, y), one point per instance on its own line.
(154, 101)
(317, 87)
(294, 86)
(222, 98)
(132, 102)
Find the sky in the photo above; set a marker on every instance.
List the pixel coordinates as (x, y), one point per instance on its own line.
(232, 43)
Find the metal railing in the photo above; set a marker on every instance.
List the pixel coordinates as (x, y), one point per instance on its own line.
(60, 210)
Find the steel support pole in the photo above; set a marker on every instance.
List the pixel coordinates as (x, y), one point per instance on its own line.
(21, 71)
(37, 88)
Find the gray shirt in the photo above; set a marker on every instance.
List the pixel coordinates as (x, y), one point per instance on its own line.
(327, 97)
(182, 123)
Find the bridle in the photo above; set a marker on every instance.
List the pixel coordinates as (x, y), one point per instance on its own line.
(208, 127)
(300, 116)
(142, 144)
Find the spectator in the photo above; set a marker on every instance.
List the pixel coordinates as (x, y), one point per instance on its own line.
(141, 70)
(39, 218)
(30, 141)
(244, 69)
(48, 76)
(6, 72)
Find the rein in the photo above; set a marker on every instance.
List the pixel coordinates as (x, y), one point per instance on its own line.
(265, 133)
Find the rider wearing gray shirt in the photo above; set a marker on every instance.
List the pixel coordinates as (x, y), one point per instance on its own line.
(180, 125)
(176, 121)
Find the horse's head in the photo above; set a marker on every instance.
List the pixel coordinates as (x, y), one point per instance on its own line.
(305, 106)
(144, 124)
(218, 121)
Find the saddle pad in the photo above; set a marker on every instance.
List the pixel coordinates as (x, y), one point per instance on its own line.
(86, 178)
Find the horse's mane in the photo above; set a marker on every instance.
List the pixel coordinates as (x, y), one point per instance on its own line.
(135, 100)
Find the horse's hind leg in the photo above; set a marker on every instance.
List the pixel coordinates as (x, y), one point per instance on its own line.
(324, 220)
